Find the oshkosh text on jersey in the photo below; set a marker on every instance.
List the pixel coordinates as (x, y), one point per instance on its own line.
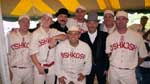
(125, 45)
(20, 45)
(73, 55)
(44, 41)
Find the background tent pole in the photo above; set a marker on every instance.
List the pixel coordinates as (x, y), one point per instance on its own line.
(3, 54)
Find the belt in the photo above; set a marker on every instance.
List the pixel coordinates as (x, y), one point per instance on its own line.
(19, 67)
(121, 68)
(48, 65)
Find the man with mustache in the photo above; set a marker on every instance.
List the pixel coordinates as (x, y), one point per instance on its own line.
(62, 18)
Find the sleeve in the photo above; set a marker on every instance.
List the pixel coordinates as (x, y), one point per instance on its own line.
(83, 37)
(8, 48)
(34, 44)
(8, 43)
(88, 62)
(58, 61)
(55, 32)
(108, 47)
(148, 51)
(142, 48)
(106, 58)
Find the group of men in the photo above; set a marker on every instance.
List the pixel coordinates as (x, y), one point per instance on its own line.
(75, 50)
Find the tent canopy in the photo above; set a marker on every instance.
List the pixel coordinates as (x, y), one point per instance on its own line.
(34, 8)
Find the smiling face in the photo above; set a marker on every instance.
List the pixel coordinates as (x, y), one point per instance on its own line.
(80, 13)
(73, 37)
(24, 24)
(46, 21)
(62, 19)
(121, 22)
(108, 19)
(92, 26)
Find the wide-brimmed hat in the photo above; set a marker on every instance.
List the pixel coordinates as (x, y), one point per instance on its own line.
(62, 11)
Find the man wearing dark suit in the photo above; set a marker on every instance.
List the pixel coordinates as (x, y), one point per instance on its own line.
(96, 40)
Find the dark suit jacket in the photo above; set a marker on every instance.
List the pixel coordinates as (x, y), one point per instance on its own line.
(100, 58)
(58, 27)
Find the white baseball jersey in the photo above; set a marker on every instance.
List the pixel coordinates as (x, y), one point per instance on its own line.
(40, 42)
(39, 45)
(124, 49)
(73, 22)
(70, 61)
(19, 57)
(19, 49)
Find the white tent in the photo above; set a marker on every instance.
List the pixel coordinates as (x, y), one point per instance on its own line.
(3, 57)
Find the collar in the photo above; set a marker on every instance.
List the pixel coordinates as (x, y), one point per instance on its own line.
(43, 31)
(93, 34)
(109, 30)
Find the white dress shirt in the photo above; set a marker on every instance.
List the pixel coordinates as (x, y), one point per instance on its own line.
(92, 36)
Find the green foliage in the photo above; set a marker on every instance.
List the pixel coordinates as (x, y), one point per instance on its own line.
(135, 18)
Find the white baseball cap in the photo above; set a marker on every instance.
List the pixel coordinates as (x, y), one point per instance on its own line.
(108, 12)
(48, 14)
(122, 13)
(24, 16)
(81, 7)
(73, 28)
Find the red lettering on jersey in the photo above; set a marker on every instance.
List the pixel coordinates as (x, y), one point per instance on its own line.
(20, 45)
(44, 41)
(125, 45)
(82, 56)
(65, 55)
(72, 55)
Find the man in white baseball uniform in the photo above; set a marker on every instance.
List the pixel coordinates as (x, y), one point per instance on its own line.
(79, 19)
(126, 49)
(20, 63)
(42, 50)
(108, 24)
(73, 59)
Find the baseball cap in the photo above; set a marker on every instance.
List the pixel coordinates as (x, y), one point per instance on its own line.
(122, 13)
(48, 14)
(24, 16)
(81, 7)
(108, 12)
(73, 28)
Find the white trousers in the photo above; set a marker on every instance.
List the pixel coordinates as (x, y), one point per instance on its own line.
(22, 76)
(40, 78)
(120, 76)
